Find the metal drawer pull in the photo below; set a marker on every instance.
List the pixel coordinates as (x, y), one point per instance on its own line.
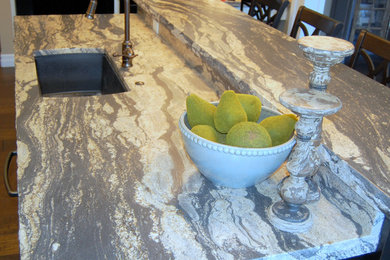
(6, 169)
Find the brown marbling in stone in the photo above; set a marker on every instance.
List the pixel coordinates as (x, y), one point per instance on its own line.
(258, 59)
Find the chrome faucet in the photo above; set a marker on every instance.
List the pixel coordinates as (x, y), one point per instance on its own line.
(127, 47)
(91, 9)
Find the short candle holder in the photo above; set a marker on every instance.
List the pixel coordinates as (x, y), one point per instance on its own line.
(290, 214)
(324, 52)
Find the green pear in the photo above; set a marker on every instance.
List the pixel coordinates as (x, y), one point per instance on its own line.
(229, 112)
(206, 131)
(249, 135)
(221, 138)
(251, 105)
(199, 111)
(280, 127)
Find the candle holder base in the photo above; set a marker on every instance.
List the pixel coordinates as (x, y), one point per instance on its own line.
(290, 218)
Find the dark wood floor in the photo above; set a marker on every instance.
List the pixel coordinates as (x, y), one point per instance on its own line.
(9, 245)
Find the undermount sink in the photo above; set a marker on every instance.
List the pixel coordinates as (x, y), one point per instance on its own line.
(77, 72)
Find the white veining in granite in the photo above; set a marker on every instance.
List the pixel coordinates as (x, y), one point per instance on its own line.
(47, 52)
(95, 144)
(263, 61)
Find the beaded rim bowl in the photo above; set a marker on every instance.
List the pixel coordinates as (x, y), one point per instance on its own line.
(230, 166)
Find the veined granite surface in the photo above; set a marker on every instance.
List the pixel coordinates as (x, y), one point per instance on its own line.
(107, 177)
(252, 57)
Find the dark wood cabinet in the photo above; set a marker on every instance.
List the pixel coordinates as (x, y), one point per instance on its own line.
(42, 7)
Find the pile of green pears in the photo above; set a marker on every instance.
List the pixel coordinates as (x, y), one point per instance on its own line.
(234, 121)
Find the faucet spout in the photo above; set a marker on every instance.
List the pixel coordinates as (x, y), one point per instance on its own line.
(91, 9)
(127, 47)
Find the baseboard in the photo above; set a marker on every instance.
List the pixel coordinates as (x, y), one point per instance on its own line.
(7, 60)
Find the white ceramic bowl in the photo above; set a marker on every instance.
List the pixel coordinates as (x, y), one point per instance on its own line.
(231, 166)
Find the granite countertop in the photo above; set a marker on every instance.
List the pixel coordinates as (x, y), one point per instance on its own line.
(246, 55)
(108, 177)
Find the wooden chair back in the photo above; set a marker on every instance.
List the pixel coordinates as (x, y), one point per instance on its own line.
(320, 22)
(245, 3)
(369, 42)
(268, 11)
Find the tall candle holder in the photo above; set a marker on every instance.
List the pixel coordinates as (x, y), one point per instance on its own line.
(290, 214)
(324, 52)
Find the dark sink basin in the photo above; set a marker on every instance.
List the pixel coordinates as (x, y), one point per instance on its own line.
(77, 74)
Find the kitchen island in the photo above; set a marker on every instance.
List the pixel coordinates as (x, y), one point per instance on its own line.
(104, 177)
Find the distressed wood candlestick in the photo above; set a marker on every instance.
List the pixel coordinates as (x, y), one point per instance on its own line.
(290, 214)
(324, 52)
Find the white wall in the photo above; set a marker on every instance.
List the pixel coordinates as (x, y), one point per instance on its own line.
(316, 5)
(321, 6)
(292, 12)
(116, 6)
(7, 12)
